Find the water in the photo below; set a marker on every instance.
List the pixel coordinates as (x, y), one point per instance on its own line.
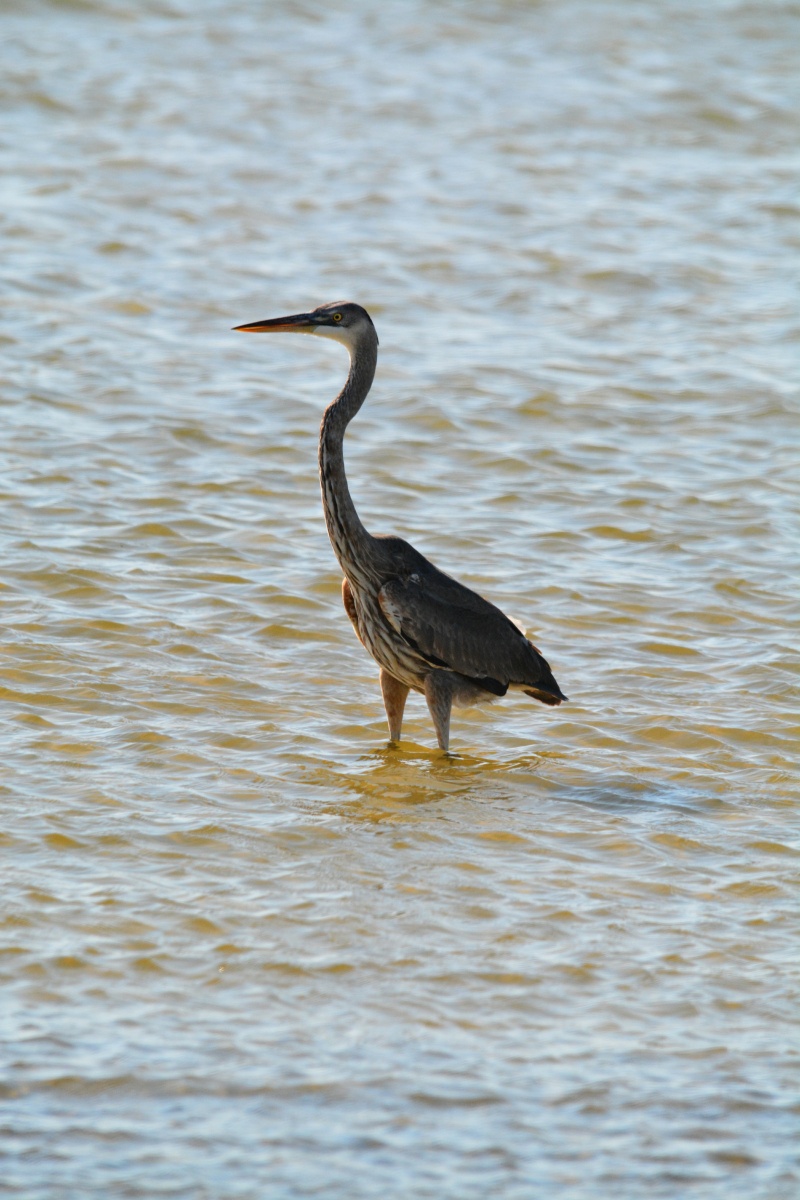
(247, 949)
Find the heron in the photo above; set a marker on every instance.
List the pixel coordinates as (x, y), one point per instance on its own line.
(426, 631)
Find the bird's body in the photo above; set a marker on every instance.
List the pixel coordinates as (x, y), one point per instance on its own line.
(425, 630)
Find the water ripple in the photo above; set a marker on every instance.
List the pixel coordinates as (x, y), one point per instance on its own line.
(248, 948)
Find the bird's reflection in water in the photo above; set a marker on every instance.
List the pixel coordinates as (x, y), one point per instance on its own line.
(403, 784)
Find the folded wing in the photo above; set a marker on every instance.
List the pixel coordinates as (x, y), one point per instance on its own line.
(452, 627)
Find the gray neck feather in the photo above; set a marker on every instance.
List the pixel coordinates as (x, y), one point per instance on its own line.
(349, 538)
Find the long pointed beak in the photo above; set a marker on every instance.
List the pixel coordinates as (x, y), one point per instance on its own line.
(301, 323)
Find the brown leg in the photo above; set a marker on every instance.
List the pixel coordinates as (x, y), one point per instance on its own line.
(439, 694)
(394, 699)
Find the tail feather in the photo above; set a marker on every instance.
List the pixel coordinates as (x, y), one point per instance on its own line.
(546, 697)
(547, 690)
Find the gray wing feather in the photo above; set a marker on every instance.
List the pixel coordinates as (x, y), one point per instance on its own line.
(452, 626)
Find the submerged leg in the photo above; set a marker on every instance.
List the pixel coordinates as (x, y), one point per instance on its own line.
(394, 700)
(439, 694)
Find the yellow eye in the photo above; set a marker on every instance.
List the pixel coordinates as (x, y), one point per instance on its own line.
(337, 316)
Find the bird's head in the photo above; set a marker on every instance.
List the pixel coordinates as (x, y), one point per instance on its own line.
(343, 321)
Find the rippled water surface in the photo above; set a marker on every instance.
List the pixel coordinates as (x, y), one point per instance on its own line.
(248, 949)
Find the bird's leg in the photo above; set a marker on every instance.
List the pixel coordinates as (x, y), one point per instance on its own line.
(394, 699)
(439, 694)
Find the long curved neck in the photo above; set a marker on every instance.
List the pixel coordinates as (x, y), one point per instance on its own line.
(349, 538)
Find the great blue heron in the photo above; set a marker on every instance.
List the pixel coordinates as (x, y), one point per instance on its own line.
(425, 630)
